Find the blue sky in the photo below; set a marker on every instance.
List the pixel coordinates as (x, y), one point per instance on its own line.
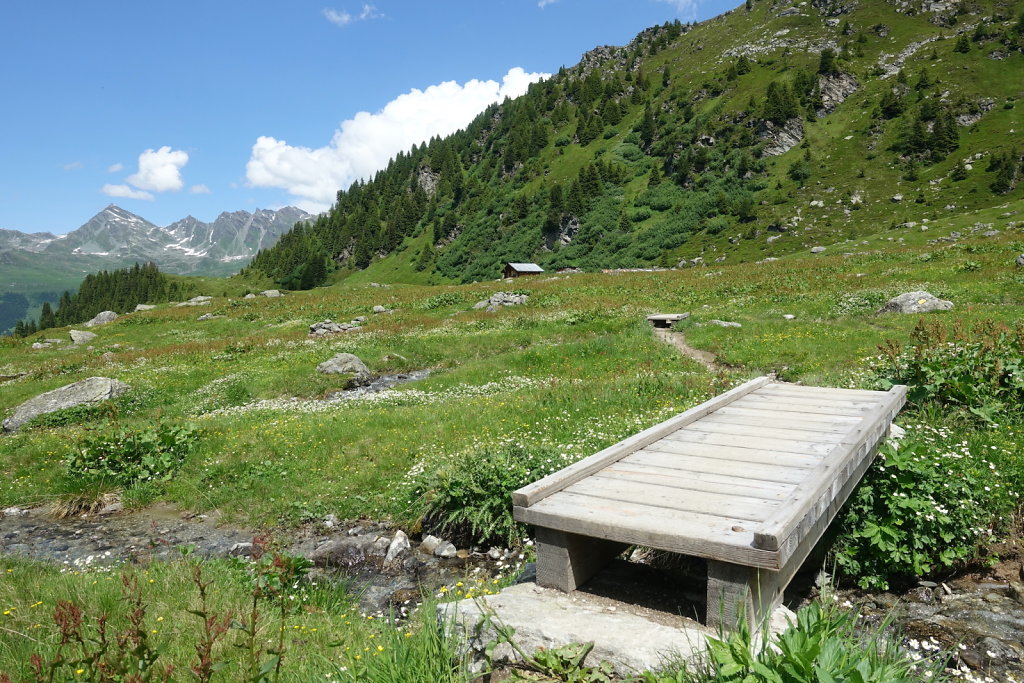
(202, 106)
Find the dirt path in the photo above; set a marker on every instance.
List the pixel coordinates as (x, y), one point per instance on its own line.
(676, 339)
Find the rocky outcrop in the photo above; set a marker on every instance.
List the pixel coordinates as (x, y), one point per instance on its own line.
(102, 319)
(834, 8)
(977, 111)
(87, 392)
(144, 307)
(780, 139)
(346, 364)
(915, 302)
(427, 178)
(196, 301)
(834, 91)
(501, 300)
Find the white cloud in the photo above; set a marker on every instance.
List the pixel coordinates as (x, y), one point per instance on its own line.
(160, 170)
(683, 7)
(365, 143)
(544, 3)
(199, 189)
(115, 168)
(343, 18)
(73, 166)
(125, 191)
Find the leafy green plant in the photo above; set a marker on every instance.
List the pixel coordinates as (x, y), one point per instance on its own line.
(980, 370)
(127, 456)
(442, 300)
(824, 645)
(929, 503)
(472, 497)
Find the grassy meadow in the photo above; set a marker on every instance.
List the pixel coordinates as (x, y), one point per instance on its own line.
(573, 370)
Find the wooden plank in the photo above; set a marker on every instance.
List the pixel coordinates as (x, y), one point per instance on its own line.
(799, 405)
(793, 412)
(812, 421)
(758, 432)
(711, 465)
(642, 525)
(749, 442)
(794, 425)
(733, 457)
(803, 390)
(728, 506)
(698, 481)
(818, 495)
(737, 593)
(819, 398)
(530, 494)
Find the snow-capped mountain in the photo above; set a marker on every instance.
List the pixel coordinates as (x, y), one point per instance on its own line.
(187, 246)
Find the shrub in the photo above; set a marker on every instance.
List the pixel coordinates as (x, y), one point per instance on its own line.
(928, 503)
(128, 456)
(980, 371)
(472, 497)
(442, 300)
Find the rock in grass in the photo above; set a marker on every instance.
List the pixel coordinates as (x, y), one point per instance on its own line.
(271, 293)
(81, 337)
(144, 307)
(817, 250)
(1020, 261)
(915, 302)
(196, 301)
(346, 364)
(87, 392)
(724, 323)
(102, 319)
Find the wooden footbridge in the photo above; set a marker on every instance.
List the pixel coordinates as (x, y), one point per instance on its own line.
(749, 480)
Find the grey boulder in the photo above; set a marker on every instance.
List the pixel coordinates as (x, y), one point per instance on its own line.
(81, 337)
(86, 392)
(271, 293)
(102, 319)
(1020, 261)
(144, 307)
(346, 364)
(915, 302)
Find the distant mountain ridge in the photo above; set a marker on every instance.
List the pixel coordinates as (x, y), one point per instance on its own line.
(37, 267)
(187, 246)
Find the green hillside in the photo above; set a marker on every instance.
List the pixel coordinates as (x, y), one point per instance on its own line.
(672, 148)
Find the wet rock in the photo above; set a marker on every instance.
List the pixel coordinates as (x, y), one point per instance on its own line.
(81, 337)
(397, 548)
(346, 364)
(445, 550)
(241, 550)
(342, 552)
(102, 319)
(86, 392)
(915, 302)
(429, 544)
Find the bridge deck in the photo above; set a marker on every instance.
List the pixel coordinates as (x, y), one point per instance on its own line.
(752, 478)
